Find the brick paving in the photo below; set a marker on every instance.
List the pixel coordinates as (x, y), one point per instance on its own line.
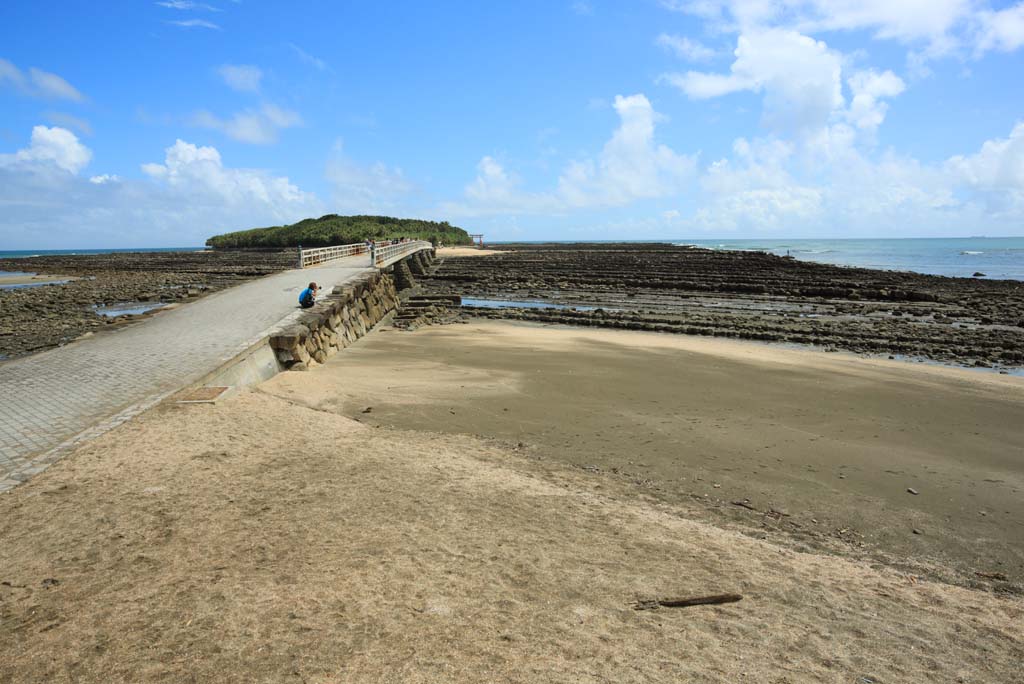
(52, 400)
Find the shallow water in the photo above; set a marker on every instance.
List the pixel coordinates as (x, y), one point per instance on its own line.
(128, 308)
(508, 304)
(22, 286)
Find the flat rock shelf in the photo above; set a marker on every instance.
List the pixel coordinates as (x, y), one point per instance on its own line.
(751, 295)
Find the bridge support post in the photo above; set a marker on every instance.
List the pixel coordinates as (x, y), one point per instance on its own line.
(403, 277)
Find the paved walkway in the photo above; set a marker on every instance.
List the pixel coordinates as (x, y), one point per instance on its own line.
(51, 400)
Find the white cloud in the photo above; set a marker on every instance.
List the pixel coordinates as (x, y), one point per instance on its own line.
(187, 5)
(244, 78)
(773, 186)
(938, 26)
(50, 147)
(195, 23)
(359, 189)
(53, 86)
(200, 170)
(496, 191)
(867, 111)
(997, 167)
(181, 201)
(631, 167)
(65, 120)
(800, 77)
(38, 83)
(685, 48)
(309, 59)
(583, 8)
(1002, 30)
(255, 126)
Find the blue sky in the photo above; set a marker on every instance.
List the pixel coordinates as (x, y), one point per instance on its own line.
(161, 123)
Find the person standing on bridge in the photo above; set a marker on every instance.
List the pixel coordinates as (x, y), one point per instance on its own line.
(308, 296)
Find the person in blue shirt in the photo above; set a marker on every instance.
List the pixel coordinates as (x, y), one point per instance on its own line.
(308, 296)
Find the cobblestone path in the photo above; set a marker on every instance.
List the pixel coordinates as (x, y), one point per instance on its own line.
(51, 400)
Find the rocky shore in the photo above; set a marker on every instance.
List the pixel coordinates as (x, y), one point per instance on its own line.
(37, 318)
(751, 295)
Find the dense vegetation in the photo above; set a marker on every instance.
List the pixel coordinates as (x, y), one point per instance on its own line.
(338, 230)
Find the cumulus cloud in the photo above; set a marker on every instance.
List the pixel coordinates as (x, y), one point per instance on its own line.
(631, 167)
(998, 167)
(48, 148)
(244, 78)
(182, 200)
(867, 110)
(199, 170)
(38, 83)
(770, 186)
(255, 126)
(800, 77)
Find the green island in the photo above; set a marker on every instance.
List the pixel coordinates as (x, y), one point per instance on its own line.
(333, 229)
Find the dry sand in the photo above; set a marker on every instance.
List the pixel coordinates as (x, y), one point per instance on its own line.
(271, 539)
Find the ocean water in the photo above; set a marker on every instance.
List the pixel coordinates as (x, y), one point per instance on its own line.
(18, 254)
(1000, 258)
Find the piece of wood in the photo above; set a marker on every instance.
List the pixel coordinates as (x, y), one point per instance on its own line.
(653, 604)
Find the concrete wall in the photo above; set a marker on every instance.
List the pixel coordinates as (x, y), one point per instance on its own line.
(335, 322)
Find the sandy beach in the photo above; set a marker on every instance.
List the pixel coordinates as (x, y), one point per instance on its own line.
(486, 502)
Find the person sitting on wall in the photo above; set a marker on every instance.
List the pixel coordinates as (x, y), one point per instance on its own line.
(308, 296)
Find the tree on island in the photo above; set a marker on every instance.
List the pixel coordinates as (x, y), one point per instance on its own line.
(333, 229)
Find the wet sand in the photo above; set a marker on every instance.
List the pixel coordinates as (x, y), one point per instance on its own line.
(816, 450)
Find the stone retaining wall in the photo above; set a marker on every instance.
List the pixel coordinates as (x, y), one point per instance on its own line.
(335, 322)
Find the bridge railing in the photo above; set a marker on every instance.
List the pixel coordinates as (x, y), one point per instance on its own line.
(385, 255)
(322, 255)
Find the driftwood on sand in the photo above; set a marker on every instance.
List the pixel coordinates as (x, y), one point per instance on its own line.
(654, 604)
